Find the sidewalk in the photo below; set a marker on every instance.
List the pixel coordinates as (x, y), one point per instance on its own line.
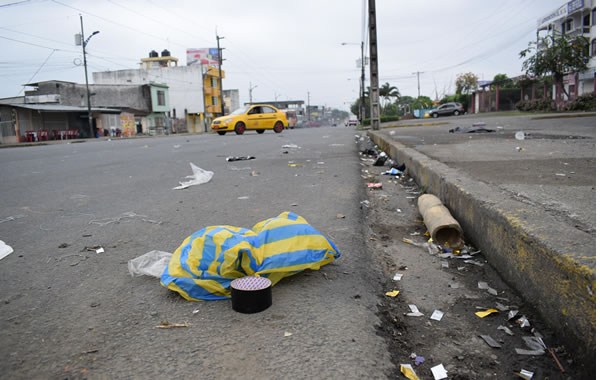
(529, 205)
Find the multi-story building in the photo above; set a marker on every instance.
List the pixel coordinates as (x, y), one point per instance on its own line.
(577, 18)
(194, 90)
(231, 98)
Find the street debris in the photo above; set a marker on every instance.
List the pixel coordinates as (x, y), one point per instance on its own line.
(365, 203)
(309, 248)
(473, 129)
(340, 216)
(243, 197)
(397, 277)
(11, 218)
(290, 146)
(417, 359)
(239, 158)
(537, 347)
(474, 263)
(414, 311)
(5, 250)
(198, 177)
(392, 171)
(444, 229)
(408, 372)
(254, 173)
(439, 372)
(525, 374)
(295, 165)
(523, 322)
(485, 286)
(381, 159)
(287, 333)
(375, 185)
(393, 293)
(490, 341)
(520, 135)
(152, 263)
(168, 325)
(437, 315)
(505, 329)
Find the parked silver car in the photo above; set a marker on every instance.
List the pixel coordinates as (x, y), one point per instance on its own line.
(448, 109)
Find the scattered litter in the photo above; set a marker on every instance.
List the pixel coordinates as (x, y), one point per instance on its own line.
(254, 173)
(340, 216)
(484, 285)
(519, 149)
(176, 146)
(196, 311)
(167, 325)
(537, 347)
(437, 315)
(474, 262)
(408, 372)
(393, 293)
(118, 219)
(490, 341)
(392, 133)
(392, 171)
(290, 146)
(240, 158)
(525, 374)
(414, 311)
(237, 169)
(418, 359)
(445, 264)
(243, 197)
(336, 144)
(439, 372)
(287, 333)
(479, 124)
(512, 314)
(520, 135)
(199, 177)
(473, 129)
(560, 174)
(444, 229)
(505, 329)
(523, 322)
(381, 159)
(100, 250)
(152, 263)
(293, 204)
(501, 307)
(15, 217)
(365, 203)
(375, 185)
(295, 165)
(398, 210)
(5, 250)
(398, 277)
(483, 314)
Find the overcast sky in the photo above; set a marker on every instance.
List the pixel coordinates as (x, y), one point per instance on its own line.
(285, 48)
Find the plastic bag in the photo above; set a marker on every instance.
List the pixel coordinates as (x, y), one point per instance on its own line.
(152, 264)
(199, 177)
(203, 267)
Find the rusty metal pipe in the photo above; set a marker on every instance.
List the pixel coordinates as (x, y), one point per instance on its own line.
(444, 229)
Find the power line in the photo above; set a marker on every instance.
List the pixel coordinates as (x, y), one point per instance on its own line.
(38, 70)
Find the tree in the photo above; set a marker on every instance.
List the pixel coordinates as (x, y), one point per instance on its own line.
(354, 108)
(556, 55)
(422, 102)
(386, 92)
(503, 81)
(405, 103)
(466, 83)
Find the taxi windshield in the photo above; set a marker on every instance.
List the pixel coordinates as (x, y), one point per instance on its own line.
(240, 111)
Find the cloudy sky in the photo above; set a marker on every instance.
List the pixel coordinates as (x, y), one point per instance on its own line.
(287, 49)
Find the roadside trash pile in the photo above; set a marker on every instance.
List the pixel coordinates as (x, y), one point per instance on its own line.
(206, 263)
(445, 240)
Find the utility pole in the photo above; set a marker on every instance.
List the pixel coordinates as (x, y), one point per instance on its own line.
(362, 81)
(250, 91)
(308, 106)
(418, 83)
(374, 66)
(220, 76)
(84, 43)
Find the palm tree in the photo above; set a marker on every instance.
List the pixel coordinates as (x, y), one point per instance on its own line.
(387, 92)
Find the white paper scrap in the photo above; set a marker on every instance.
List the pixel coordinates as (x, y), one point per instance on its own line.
(5, 250)
(437, 315)
(439, 372)
(414, 311)
(100, 250)
(398, 276)
(525, 374)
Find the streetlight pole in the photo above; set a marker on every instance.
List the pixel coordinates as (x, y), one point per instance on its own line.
(361, 111)
(84, 43)
(220, 76)
(250, 91)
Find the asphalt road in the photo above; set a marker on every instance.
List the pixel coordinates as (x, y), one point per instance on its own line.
(69, 312)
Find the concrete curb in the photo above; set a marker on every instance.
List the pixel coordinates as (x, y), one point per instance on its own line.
(568, 116)
(550, 263)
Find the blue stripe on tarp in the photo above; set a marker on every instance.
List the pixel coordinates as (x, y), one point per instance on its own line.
(207, 244)
(288, 259)
(194, 290)
(286, 232)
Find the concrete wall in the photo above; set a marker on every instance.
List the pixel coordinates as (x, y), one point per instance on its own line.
(185, 84)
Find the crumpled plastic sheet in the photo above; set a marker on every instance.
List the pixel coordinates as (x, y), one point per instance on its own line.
(203, 267)
(5, 250)
(152, 264)
(198, 177)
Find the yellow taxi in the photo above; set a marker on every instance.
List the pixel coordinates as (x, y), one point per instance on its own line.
(258, 117)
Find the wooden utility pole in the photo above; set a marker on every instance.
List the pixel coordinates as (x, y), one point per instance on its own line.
(419, 83)
(374, 66)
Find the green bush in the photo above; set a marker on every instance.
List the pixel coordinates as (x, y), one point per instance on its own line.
(382, 119)
(536, 105)
(585, 102)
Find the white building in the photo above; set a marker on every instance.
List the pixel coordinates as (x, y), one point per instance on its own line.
(577, 18)
(189, 88)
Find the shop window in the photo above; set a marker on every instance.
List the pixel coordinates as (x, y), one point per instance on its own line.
(214, 82)
(215, 100)
(161, 97)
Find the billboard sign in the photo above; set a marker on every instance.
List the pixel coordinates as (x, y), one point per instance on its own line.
(208, 56)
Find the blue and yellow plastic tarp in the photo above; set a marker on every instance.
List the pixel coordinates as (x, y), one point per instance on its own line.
(203, 267)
